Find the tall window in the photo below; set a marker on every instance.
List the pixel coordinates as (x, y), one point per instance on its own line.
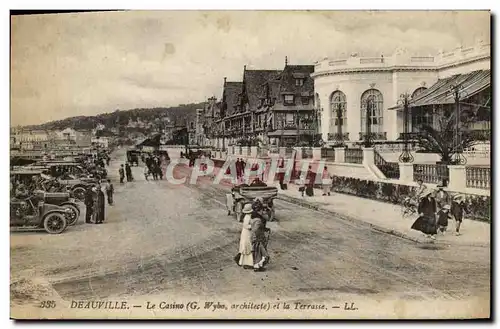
(373, 102)
(299, 82)
(418, 91)
(338, 103)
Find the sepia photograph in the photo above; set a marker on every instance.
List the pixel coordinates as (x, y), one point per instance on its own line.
(251, 164)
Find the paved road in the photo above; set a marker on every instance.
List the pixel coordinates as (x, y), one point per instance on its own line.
(164, 239)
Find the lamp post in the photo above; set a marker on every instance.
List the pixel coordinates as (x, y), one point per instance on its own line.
(369, 105)
(458, 93)
(338, 112)
(406, 156)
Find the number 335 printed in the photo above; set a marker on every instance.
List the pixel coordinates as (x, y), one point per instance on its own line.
(48, 304)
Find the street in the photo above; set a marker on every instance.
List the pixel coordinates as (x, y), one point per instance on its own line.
(177, 240)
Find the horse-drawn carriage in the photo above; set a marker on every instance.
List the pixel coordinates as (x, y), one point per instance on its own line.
(243, 194)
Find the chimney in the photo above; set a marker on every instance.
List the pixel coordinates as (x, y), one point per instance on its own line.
(286, 61)
(225, 78)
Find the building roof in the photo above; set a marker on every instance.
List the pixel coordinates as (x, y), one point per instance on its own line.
(254, 84)
(291, 73)
(440, 92)
(231, 93)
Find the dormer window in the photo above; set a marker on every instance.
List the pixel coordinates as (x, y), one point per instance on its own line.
(289, 99)
(299, 82)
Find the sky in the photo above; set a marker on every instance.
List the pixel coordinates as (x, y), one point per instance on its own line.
(66, 65)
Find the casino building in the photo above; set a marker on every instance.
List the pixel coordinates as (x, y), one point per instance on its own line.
(344, 88)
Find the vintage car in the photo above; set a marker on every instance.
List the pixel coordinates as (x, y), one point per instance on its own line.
(29, 214)
(63, 200)
(133, 157)
(76, 186)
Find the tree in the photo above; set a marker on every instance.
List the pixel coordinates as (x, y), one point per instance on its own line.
(440, 137)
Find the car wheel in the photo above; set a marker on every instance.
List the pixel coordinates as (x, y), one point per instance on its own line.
(73, 215)
(54, 223)
(79, 193)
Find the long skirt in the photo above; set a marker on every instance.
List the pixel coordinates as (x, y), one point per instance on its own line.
(259, 252)
(425, 224)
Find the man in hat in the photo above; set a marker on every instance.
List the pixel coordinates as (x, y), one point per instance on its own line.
(457, 211)
(442, 197)
(89, 204)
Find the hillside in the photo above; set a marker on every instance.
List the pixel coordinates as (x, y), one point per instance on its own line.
(177, 114)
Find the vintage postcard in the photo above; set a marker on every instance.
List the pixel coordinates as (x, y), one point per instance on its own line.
(250, 165)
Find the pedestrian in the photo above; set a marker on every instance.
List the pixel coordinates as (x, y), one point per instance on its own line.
(146, 172)
(121, 172)
(457, 211)
(420, 190)
(326, 181)
(426, 222)
(281, 175)
(89, 205)
(442, 198)
(160, 172)
(442, 218)
(258, 237)
(107, 161)
(302, 183)
(154, 171)
(238, 169)
(100, 206)
(110, 189)
(245, 255)
(311, 177)
(128, 172)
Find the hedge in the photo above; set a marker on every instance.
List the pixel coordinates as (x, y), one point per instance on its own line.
(477, 207)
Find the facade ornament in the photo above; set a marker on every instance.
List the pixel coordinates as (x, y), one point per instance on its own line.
(423, 83)
(372, 85)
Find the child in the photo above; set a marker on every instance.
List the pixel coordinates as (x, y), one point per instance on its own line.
(146, 172)
(443, 215)
(457, 210)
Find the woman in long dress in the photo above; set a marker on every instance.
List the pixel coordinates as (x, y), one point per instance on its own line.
(246, 257)
(259, 241)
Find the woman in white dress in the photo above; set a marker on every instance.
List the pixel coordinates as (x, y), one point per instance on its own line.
(245, 251)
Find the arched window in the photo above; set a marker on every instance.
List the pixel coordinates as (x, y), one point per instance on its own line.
(372, 102)
(338, 109)
(418, 91)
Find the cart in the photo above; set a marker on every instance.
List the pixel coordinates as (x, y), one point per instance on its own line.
(243, 194)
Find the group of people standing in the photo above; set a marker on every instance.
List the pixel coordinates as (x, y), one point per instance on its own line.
(435, 209)
(153, 167)
(254, 238)
(308, 179)
(125, 171)
(95, 201)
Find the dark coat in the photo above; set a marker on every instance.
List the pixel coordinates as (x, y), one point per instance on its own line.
(443, 218)
(457, 210)
(89, 198)
(100, 206)
(427, 207)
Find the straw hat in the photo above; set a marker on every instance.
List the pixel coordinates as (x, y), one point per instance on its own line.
(447, 206)
(458, 197)
(426, 193)
(247, 209)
